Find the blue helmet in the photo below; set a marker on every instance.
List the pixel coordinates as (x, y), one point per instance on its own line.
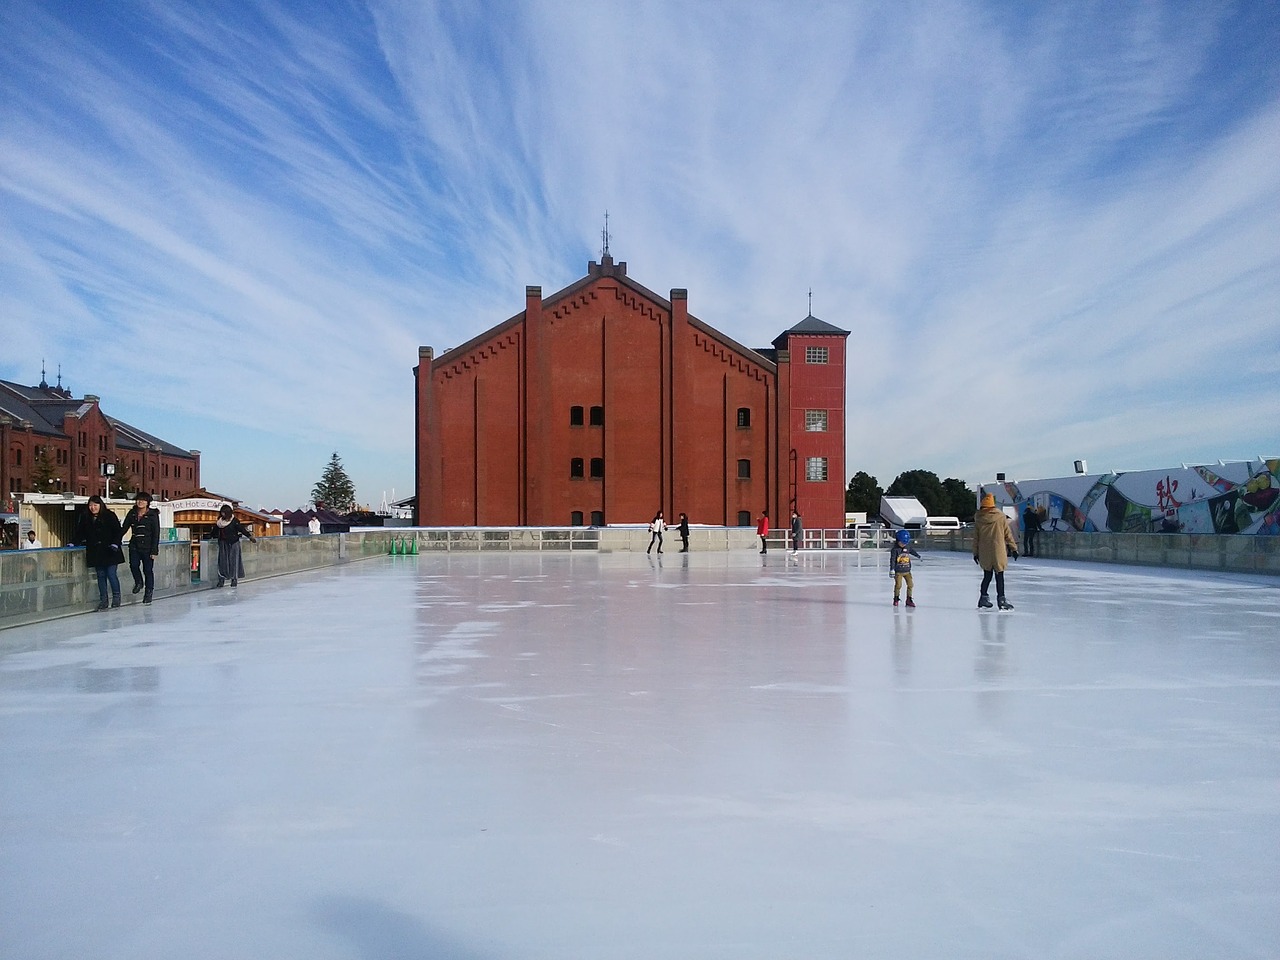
(903, 537)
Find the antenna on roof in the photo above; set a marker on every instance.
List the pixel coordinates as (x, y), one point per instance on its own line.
(604, 238)
(811, 301)
(43, 384)
(59, 376)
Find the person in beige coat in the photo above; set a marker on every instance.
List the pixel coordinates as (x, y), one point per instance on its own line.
(993, 544)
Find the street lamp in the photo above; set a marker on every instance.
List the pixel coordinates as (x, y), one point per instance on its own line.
(108, 471)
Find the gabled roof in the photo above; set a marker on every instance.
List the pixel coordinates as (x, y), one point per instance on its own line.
(131, 438)
(615, 271)
(46, 406)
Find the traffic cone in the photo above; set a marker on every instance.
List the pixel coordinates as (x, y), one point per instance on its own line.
(413, 547)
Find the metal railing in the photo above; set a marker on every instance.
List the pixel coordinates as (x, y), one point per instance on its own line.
(839, 538)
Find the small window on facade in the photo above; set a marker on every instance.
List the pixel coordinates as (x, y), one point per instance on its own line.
(815, 354)
(744, 469)
(575, 416)
(597, 518)
(744, 417)
(575, 518)
(815, 468)
(597, 416)
(597, 468)
(815, 420)
(575, 468)
(17, 456)
(744, 518)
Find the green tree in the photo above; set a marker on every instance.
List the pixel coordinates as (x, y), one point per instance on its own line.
(962, 499)
(335, 489)
(863, 494)
(44, 475)
(123, 484)
(925, 486)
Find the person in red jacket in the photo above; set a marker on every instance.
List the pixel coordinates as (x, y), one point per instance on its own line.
(762, 531)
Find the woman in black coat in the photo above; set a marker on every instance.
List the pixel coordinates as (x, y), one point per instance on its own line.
(98, 531)
(228, 531)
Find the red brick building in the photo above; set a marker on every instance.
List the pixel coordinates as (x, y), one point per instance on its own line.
(606, 402)
(75, 438)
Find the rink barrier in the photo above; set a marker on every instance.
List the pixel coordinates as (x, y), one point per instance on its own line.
(37, 585)
(1225, 553)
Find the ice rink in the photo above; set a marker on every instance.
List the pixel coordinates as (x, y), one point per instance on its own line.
(555, 756)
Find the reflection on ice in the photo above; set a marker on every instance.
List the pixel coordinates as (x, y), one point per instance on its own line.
(542, 756)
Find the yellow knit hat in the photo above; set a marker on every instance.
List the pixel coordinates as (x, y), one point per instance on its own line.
(988, 500)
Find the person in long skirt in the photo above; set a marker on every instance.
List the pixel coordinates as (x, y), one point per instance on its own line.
(228, 531)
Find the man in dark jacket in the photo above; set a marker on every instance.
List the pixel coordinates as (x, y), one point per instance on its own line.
(144, 546)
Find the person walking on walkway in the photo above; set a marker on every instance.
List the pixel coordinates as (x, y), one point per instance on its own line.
(762, 531)
(98, 531)
(993, 544)
(655, 529)
(227, 531)
(144, 545)
(684, 532)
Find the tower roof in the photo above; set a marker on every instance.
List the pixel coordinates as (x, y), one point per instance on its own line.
(810, 325)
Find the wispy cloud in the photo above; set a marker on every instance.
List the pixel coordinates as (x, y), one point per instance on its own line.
(1051, 231)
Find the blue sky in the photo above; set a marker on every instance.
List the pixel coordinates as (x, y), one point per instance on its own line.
(1054, 229)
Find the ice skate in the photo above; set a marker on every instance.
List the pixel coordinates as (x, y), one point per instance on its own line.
(895, 601)
(1004, 604)
(910, 602)
(984, 601)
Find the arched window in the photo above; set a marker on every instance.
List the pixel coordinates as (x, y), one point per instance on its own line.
(597, 468)
(744, 469)
(575, 416)
(597, 416)
(575, 468)
(597, 518)
(744, 418)
(575, 518)
(744, 518)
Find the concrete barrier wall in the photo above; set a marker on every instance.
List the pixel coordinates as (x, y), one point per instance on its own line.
(1188, 551)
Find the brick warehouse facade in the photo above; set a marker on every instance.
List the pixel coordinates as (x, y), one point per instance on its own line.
(76, 437)
(604, 403)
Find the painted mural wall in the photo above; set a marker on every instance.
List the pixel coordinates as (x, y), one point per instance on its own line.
(1241, 496)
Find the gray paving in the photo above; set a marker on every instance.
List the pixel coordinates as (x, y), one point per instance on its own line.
(476, 757)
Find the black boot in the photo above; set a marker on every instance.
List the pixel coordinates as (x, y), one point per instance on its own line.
(146, 597)
(102, 604)
(137, 586)
(984, 601)
(1004, 604)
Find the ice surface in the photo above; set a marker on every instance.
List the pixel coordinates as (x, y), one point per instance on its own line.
(473, 757)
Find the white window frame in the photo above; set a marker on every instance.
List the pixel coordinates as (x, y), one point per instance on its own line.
(816, 355)
(816, 421)
(815, 469)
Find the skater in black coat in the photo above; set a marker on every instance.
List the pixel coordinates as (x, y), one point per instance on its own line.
(144, 546)
(98, 531)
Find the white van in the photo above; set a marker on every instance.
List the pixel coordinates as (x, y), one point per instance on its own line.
(942, 523)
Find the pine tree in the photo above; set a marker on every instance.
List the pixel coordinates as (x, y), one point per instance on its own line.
(123, 484)
(335, 489)
(44, 475)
